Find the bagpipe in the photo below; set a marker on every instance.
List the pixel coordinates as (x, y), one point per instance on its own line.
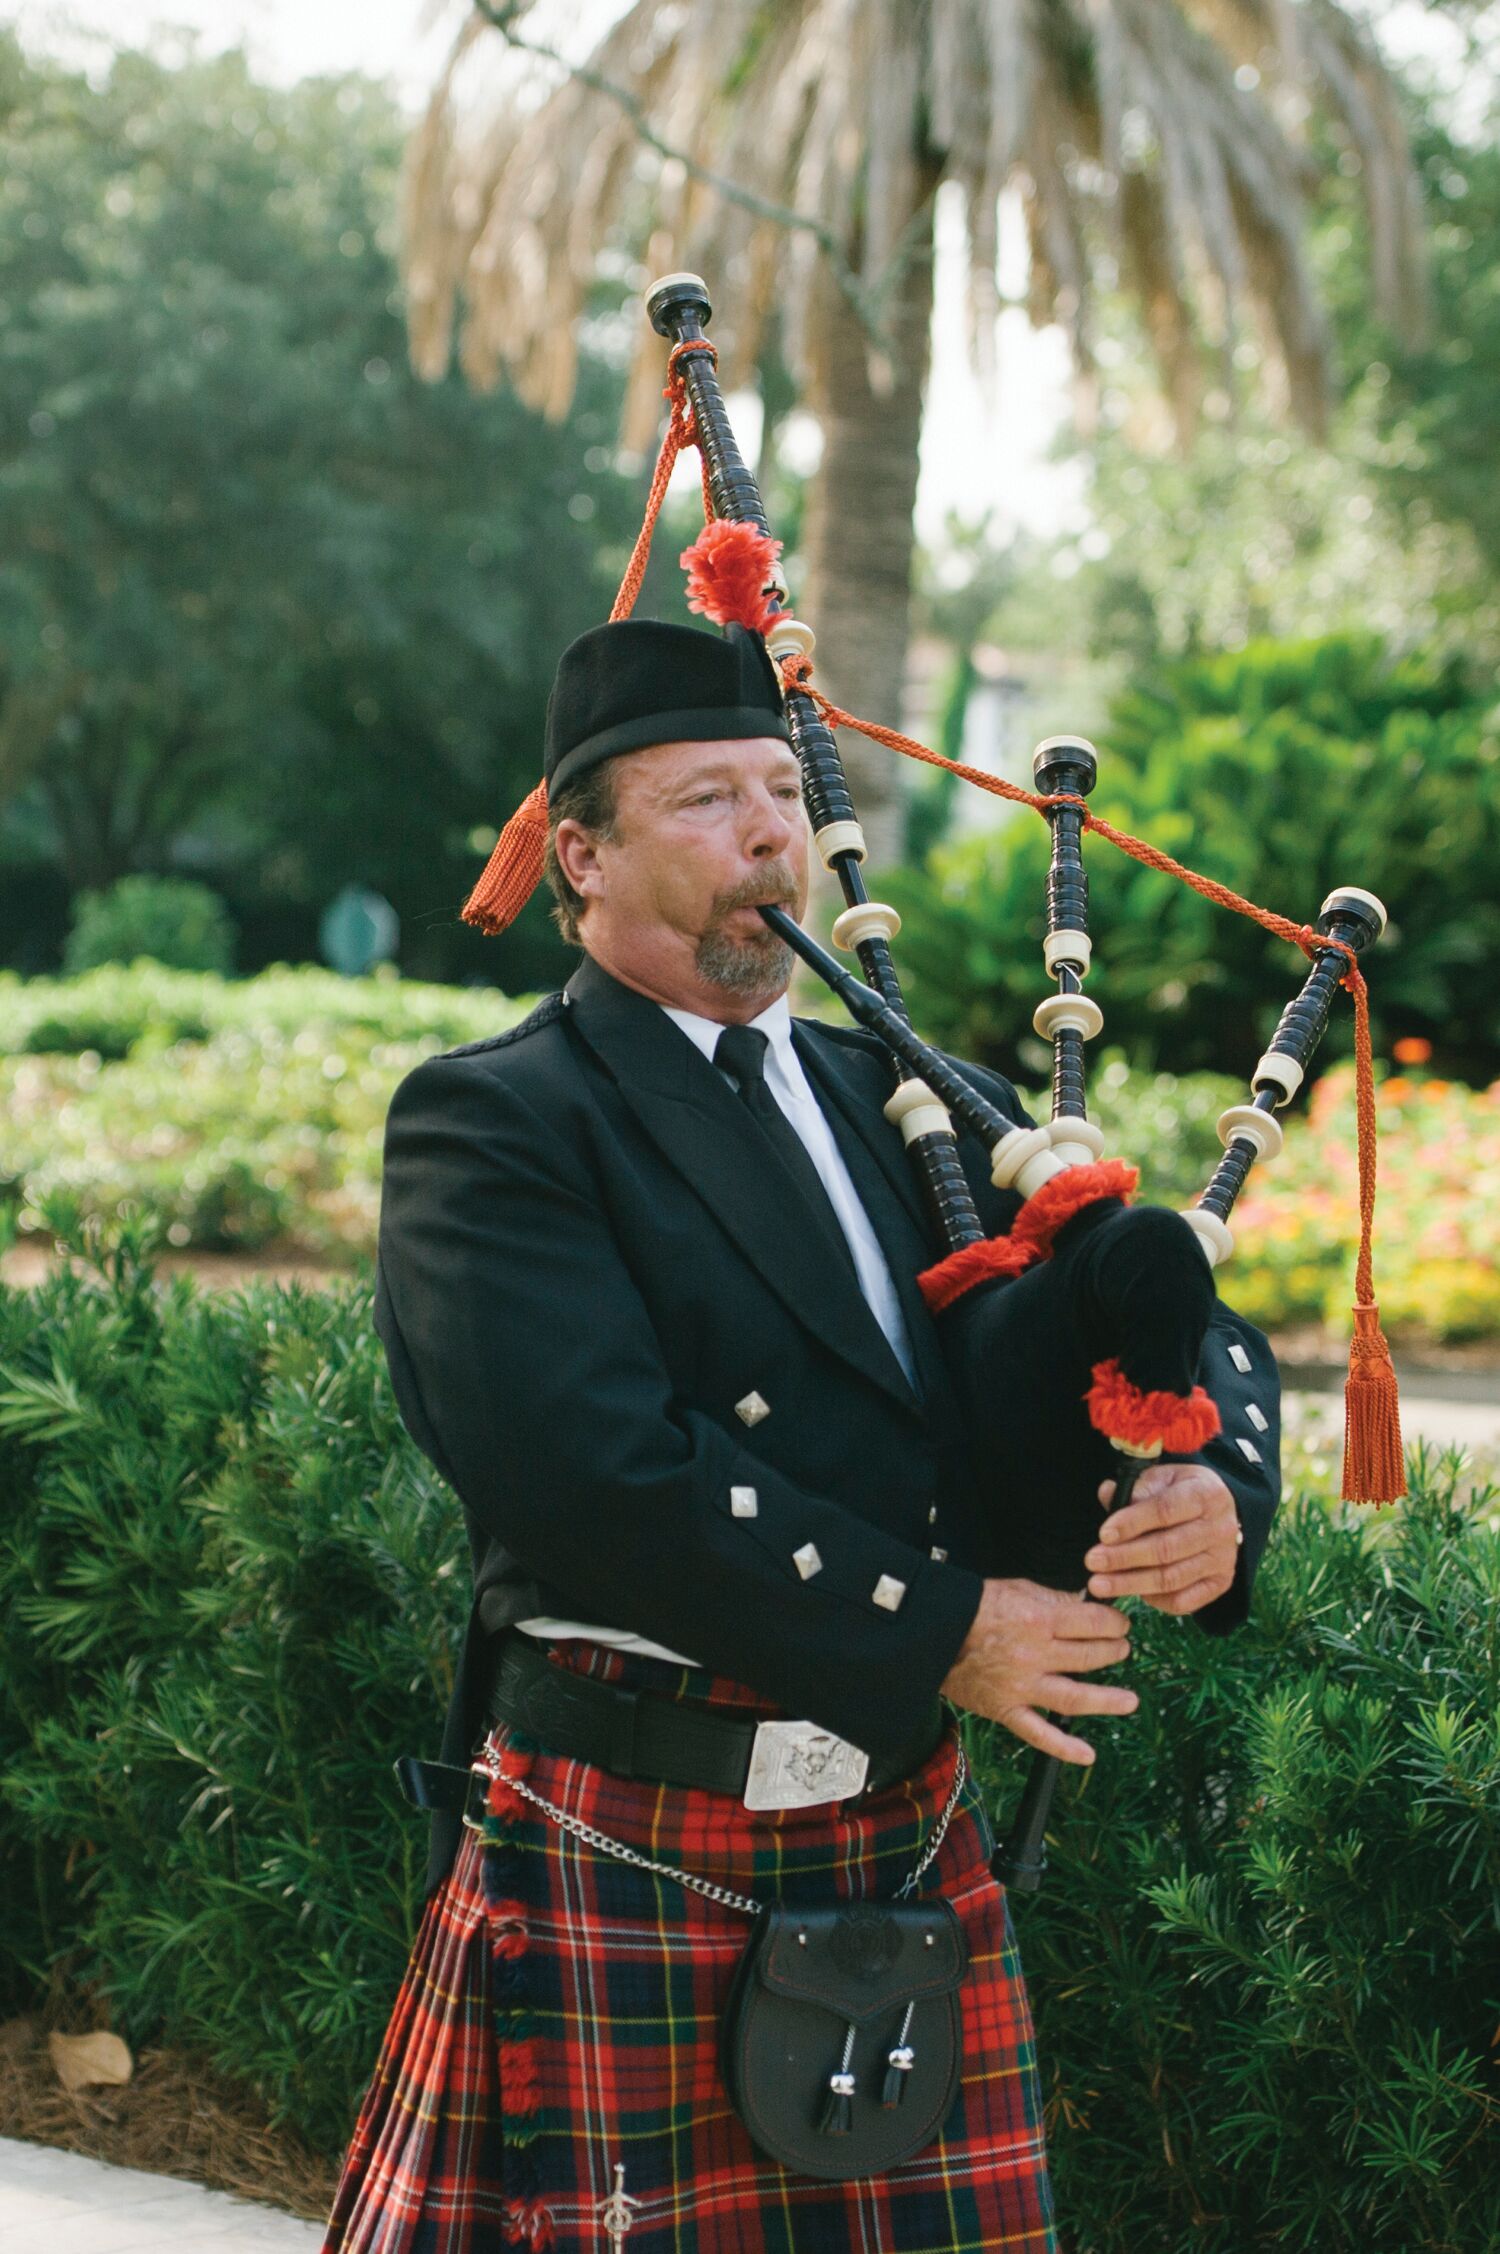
(1075, 1336)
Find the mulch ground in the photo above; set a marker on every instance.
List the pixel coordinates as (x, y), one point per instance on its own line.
(175, 2117)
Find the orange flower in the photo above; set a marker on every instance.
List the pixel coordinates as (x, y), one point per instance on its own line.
(1411, 1049)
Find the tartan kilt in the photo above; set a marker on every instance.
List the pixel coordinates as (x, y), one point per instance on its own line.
(559, 2016)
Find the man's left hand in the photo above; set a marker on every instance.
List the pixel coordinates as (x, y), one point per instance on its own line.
(1174, 1544)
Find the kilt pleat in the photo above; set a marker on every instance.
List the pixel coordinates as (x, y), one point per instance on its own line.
(557, 2024)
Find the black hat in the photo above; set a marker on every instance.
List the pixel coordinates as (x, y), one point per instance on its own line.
(639, 681)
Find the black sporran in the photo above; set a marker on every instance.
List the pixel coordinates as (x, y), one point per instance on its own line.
(842, 2033)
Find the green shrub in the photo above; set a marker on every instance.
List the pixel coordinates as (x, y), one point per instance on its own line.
(243, 1113)
(230, 1594)
(1264, 1966)
(1281, 770)
(170, 919)
(1266, 1960)
(112, 1009)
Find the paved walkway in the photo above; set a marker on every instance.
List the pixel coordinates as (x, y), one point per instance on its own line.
(54, 2202)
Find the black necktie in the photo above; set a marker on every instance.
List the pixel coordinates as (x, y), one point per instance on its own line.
(742, 1051)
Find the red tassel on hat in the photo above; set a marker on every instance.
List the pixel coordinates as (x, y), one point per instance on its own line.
(728, 567)
(514, 870)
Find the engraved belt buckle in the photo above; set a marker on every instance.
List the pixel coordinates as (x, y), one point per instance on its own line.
(798, 1765)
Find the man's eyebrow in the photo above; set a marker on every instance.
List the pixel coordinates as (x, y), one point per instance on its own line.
(715, 769)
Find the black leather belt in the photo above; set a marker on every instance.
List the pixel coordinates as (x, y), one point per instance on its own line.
(641, 1734)
(631, 1733)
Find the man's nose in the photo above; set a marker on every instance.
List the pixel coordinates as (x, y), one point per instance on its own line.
(770, 827)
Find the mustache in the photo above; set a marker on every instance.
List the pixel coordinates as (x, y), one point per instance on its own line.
(774, 886)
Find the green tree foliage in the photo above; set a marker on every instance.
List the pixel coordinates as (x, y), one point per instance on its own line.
(1281, 770)
(269, 607)
(173, 920)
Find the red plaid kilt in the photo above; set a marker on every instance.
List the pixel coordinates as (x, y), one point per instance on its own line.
(560, 2011)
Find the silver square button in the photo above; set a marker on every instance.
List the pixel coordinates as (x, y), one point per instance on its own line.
(742, 1502)
(807, 1560)
(938, 1554)
(1247, 1448)
(1240, 1358)
(753, 1408)
(889, 1591)
(1257, 1416)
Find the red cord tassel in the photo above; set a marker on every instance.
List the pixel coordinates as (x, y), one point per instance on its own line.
(514, 869)
(1373, 1467)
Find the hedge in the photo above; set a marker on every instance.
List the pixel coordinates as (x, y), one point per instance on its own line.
(1265, 1965)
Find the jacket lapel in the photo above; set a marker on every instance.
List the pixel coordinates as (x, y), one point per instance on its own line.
(693, 1116)
(852, 1086)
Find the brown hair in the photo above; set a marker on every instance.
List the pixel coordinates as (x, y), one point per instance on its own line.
(589, 801)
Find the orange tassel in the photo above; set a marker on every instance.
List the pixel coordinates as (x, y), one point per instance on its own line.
(1373, 1468)
(514, 869)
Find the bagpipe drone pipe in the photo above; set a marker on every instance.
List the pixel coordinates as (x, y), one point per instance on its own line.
(1076, 1338)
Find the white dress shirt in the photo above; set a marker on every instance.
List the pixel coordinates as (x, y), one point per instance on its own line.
(787, 1082)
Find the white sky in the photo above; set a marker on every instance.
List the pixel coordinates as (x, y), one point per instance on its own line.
(974, 461)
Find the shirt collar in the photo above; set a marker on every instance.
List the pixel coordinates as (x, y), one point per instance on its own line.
(775, 1022)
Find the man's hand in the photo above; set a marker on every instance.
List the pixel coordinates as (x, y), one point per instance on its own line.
(1023, 1651)
(1174, 1544)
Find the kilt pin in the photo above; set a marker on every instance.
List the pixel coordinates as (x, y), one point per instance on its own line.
(548, 2075)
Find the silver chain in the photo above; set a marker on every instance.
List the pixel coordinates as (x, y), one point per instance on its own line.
(487, 1765)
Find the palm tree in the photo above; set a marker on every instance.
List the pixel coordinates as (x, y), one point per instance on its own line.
(1157, 146)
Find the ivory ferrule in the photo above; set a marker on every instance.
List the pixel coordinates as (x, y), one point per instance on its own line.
(916, 1111)
(789, 637)
(1074, 947)
(1147, 1451)
(1023, 1160)
(1277, 1071)
(1077, 1142)
(1073, 1013)
(1243, 1123)
(839, 837)
(867, 919)
(1213, 1235)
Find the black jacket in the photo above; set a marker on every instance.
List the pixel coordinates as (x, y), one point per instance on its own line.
(587, 1266)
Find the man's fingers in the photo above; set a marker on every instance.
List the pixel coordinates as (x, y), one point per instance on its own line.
(1063, 1696)
(1034, 1729)
(1163, 1548)
(1081, 1658)
(1174, 1506)
(1189, 1599)
(1078, 1621)
(1154, 1580)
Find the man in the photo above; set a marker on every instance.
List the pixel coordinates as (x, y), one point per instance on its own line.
(647, 1288)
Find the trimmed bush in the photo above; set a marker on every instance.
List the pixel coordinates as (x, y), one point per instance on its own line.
(1265, 1964)
(1281, 770)
(171, 920)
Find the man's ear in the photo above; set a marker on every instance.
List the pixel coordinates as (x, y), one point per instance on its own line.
(577, 851)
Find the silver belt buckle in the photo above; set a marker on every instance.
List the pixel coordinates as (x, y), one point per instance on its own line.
(797, 1765)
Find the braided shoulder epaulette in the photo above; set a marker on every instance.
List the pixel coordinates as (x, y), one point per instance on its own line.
(548, 1009)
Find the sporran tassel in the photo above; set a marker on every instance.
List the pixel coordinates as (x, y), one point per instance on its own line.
(902, 2058)
(837, 2116)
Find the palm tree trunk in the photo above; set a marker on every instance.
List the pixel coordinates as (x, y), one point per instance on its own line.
(860, 535)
